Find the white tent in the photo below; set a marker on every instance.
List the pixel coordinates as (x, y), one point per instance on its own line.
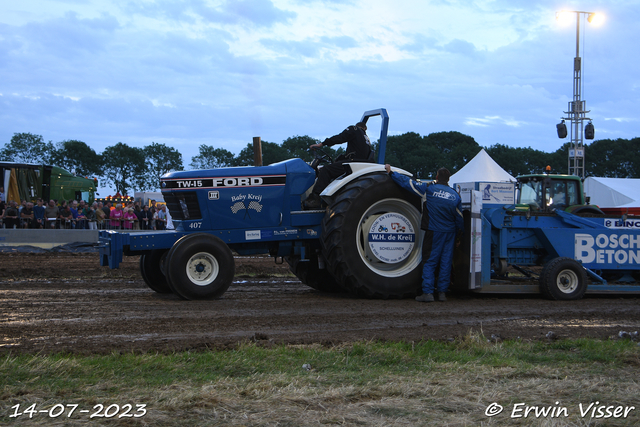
(481, 168)
(613, 192)
(634, 204)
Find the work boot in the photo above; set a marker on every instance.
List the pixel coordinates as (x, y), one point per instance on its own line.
(442, 297)
(313, 202)
(425, 298)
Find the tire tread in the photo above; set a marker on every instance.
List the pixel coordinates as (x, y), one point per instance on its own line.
(334, 228)
(549, 274)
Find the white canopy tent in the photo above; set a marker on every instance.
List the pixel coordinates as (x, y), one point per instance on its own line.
(481, 168)
(634, 204)
(613, 192)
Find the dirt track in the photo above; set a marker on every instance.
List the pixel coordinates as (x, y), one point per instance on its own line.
(67, 302)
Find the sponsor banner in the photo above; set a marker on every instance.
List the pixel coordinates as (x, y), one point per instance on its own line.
(492, 192)
(270, 234)
(464, 189)
(498, 192)
(617, 248)
(252, 235)
(576, 153)
(383, 237)
(475, 252)
(619, 223)
(391, 237)
(226, 182)
(285, 232)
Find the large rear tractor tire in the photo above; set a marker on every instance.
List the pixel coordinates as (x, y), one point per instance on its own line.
(200, 266)
(310, 273)
(371, 238)
(151, 270)
(563, 279)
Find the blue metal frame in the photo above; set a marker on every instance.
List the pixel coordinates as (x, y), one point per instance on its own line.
(527, 240)
(384, 128)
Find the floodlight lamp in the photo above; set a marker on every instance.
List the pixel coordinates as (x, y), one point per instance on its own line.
(561, 129)
(589, 131)
(564, 17)
(595, 18)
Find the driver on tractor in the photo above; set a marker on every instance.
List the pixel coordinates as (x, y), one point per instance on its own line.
(358, 150)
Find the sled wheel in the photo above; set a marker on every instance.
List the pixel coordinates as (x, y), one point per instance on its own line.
(371, 238)
(563, 279)
(312, 275)
(200, 266)
(151, 270)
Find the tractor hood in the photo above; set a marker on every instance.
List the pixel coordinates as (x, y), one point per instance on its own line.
(238, 177)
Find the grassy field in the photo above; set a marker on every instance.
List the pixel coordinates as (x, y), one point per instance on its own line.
(368, 384)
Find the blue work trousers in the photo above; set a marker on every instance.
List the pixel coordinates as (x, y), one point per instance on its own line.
(437, 251)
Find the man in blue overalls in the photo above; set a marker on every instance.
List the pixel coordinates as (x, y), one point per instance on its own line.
(441, 220)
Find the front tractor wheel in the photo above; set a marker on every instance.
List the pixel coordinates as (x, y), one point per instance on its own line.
(200, 266)
(371, 238)
(563, 279)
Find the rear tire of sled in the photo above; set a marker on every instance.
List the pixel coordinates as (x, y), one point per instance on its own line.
(200, 266)
(357, 212)
(563, 279)
(151, 270)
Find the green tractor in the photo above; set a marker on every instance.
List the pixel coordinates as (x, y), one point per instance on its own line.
(547, 193)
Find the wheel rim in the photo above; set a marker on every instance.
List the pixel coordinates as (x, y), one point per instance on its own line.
(202, 269)
(567, 281)
(378, 217)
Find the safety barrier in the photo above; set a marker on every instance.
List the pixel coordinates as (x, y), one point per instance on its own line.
(80, 224)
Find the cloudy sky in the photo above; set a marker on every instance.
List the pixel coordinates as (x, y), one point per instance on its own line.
(219, 72)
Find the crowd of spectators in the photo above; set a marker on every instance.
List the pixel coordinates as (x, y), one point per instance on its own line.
(74, 214)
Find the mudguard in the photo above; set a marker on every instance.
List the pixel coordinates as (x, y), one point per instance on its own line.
(357, 170)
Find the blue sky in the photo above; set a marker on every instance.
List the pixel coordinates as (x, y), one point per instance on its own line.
(219, 72)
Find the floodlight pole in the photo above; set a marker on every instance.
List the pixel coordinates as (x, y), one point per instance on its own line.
(577, 109)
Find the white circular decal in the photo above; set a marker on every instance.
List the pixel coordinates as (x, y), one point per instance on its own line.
(391, 237)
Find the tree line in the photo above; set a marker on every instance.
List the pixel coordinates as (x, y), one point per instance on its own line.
(139, 169)
(423, 155)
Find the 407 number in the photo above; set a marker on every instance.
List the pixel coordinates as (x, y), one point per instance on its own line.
(195, 225)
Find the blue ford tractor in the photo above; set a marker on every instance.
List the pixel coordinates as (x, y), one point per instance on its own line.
(367, 241)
